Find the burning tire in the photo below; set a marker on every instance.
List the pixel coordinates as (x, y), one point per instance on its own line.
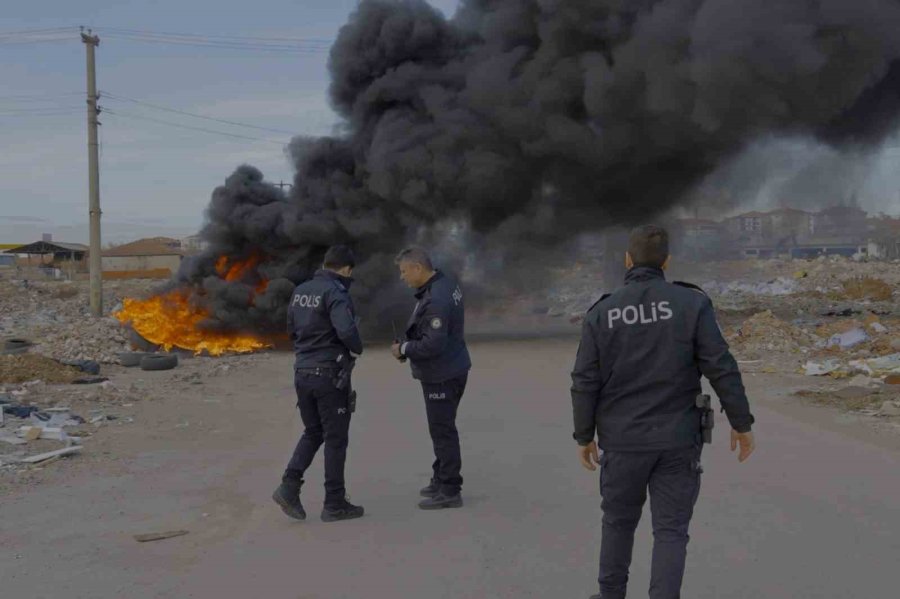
(159, 362)
(139, 343)
(131, 359)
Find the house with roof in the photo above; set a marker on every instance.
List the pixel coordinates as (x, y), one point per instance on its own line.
(154, 258)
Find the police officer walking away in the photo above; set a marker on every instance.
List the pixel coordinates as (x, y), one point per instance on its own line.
(435, 346)
(636, 384)
(322, 324)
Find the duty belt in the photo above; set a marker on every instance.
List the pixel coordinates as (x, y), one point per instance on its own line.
(320, 371)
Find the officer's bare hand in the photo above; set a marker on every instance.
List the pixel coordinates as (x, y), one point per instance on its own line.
(589, 456)
(746, 441)
(395, 350)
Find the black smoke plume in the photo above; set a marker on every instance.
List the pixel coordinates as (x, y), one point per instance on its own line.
(497, 135)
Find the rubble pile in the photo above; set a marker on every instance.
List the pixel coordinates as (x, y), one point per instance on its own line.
(30, 367)
(764, 333)
(55, 317)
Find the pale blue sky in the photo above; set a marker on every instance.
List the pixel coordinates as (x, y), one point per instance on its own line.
(152, 174)
(156, 179)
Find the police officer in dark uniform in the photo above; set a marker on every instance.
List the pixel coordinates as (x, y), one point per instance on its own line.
(322, 325)
(635, 384)
(435, 346)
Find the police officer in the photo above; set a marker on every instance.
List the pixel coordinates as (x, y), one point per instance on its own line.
(322, 325)
(437, 353)
(635, 384)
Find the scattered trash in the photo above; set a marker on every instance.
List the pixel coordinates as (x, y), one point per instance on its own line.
(844, 312)
(847, 339)
(878, 327)
(159, 536)
(892, 379)
(821, 368)
(88, 366)
(19, 411)
(41, 457)
(90, 380)
(30, 433)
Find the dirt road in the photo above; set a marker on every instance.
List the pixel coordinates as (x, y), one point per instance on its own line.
(815, 513)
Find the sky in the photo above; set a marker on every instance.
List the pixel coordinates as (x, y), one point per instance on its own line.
(156, 178)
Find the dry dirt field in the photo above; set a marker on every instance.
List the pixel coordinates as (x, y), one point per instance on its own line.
(814, 513)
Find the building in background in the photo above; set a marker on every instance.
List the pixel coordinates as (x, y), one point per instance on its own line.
(696, 238)
(152, 258)
(193, 244)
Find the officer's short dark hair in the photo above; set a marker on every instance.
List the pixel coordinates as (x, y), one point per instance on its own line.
(649, 246)
(339, 256)
(415, 255)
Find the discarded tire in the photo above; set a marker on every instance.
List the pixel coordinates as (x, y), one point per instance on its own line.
(130, 359)
(16, 344)
(139, 343)
(159, 362)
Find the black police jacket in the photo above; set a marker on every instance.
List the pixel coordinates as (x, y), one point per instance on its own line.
(321, 321)
(435, 343)
(637, 374)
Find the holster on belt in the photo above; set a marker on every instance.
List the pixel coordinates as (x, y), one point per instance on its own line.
(342, 380)
(707, 417)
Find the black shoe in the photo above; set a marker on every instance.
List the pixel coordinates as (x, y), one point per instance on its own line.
(342, 511)
(432, 490)
(441, 501)
(288, 497)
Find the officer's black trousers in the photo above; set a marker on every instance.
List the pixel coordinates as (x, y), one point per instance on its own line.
(326, 417)
(441, 403)
(673, 478)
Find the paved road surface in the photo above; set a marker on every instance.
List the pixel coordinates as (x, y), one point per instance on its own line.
(815, 513)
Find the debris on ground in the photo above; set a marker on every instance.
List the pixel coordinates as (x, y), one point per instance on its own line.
(23, 368)
(847, 339)
(159, 536)
(866, 288)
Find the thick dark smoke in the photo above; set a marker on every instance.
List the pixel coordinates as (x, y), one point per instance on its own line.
(499, 134)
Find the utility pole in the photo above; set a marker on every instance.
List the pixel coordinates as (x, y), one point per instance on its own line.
(96, 264)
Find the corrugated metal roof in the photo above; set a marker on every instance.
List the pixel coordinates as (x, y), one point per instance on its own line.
(48, 247)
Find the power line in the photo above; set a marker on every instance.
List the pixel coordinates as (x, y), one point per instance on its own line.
(34, 31)
(48, 40)
(181, 126)
(297, 45)
(111, 96)
(255, 48)
(36, 96)
(320, 41)
(42, 114)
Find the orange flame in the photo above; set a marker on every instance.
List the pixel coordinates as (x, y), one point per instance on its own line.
(170, 320)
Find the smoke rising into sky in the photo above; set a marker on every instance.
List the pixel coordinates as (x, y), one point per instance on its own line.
(523, 122)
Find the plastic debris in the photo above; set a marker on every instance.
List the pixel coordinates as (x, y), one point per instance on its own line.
(821, 368)
(847, 339)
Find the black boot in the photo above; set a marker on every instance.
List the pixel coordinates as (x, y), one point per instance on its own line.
(343, 510)
(287, 495)
(433, 489)
(441, 501)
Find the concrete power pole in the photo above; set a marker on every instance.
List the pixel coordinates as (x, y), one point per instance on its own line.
(91, 42)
